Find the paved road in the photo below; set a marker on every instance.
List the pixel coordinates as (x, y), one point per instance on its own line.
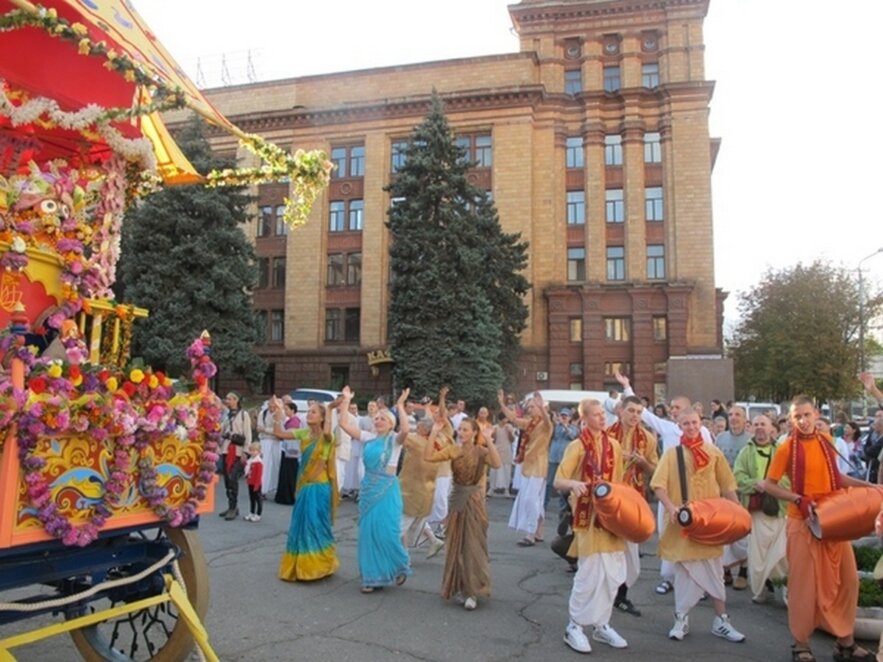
(256, 617)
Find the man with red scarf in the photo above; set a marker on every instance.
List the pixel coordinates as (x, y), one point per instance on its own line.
(601, 566)
(822, 577)
(639, 456)
(528, 511)
(698, 568)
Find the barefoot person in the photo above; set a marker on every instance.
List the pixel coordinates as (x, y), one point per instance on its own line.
(822, 576)
(467, 567)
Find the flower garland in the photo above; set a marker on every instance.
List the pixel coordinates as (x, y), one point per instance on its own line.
(129, 410)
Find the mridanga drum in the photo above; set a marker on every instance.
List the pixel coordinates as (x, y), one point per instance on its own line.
(714, 521)
(623, 511)
(847, 514)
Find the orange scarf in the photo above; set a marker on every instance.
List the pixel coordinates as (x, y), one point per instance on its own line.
(590, 474)
(798, 459)
(700, 457)
(633, 475)
(524, 438)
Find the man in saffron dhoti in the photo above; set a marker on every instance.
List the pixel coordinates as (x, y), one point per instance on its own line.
(601, 567)
(766, 543)
(698, 568)
(822, 576)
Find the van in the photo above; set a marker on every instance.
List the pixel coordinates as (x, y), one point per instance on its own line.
(558, 398)
(756, 408)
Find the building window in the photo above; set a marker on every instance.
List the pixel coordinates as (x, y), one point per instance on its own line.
(655, 262)
(340, 376)
(338, 158)
(653, 207)
(356, 211)
(576, 207)
(576, 264)
(354, 269)
(660, 329)
(650, 75)
(477, 149)
(352, 324)
(277, 325)
(612, 81)
(574, 154)
(279, 273)
(357, 161)
(617, 329)
(660, 368)
(263, 320)
(614, 205)
(335, 270)
(615, 263)
(281, 225)
(265, 221)
(336, 214)
(398, 157)
(332, 324)
(573, 81)
(263, 272)
(613, 150)
(348, 161)
(652, 148)
(612, 367)
(576, 369)
(576, 329)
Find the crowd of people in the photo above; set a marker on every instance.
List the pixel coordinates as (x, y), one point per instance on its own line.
(421, 473)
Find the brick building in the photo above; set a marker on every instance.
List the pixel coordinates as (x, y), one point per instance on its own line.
(593, 141)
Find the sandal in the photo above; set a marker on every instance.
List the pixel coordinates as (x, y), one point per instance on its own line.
(801, 654)
(367, 589)
(526, 542)
(401, 580)
(853, 652)
(664, 587)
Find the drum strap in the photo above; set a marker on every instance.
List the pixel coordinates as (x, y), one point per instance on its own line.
(682, 473)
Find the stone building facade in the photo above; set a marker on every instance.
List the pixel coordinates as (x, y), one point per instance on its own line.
(593, 140)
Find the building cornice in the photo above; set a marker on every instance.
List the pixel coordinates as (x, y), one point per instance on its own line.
(545, 11)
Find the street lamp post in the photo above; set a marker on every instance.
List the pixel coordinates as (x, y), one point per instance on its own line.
(861, 322)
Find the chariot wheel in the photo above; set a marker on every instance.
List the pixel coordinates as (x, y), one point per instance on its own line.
(155, 633)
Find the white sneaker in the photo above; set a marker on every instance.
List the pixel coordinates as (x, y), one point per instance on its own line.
(470, 604)
(255, 518)
(680, 629)
(248, 517)
(435, 548)
(607, 635)
(577, 639)
(721, 627)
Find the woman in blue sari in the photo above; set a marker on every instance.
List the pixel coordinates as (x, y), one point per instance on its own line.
(309, 551)
(383, 559)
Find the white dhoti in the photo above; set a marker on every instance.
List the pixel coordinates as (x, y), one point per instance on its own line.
(695, 578)
(412, 529)
(271, 452)
(528, 510)
(440, 500)
(517, 478)
(499, 478)
(632, 563)
(354, 471)
(666, 568)
(766, 551)
(595, 584)
(736, 553)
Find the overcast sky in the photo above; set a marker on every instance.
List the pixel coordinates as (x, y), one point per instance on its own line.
(794, 101)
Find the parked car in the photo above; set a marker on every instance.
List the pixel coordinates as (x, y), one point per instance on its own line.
(302, 397)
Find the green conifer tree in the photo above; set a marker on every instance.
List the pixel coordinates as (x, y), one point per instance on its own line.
(456, 308)
(186, 259)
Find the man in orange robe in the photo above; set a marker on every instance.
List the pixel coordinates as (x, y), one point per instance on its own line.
(822, 578)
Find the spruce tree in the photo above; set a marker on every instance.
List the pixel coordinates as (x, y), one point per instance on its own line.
(456, 308)
(186, 259)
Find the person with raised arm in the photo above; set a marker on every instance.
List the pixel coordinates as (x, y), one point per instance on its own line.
(528, 511)
(467, 566)
(309, 550)
(668, 433)
(383, 559)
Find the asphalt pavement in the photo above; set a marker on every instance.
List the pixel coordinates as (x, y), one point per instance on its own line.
(255, 617)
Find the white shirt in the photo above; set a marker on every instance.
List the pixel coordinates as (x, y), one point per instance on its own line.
(668, 432)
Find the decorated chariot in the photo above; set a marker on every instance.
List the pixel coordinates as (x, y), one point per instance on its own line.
(105, 468)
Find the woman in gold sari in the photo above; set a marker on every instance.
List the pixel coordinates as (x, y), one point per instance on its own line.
(467, 567)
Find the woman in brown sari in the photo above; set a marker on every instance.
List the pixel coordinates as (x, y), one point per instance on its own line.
(467, 567)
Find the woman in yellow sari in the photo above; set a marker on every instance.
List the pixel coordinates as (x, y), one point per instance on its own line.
(309, 552)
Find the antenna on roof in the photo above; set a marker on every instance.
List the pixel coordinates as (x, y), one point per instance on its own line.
(225, 72)
(249, 70)
(200, 75)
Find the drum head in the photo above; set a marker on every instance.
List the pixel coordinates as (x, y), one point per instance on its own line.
(602, 490)
(685, 517)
